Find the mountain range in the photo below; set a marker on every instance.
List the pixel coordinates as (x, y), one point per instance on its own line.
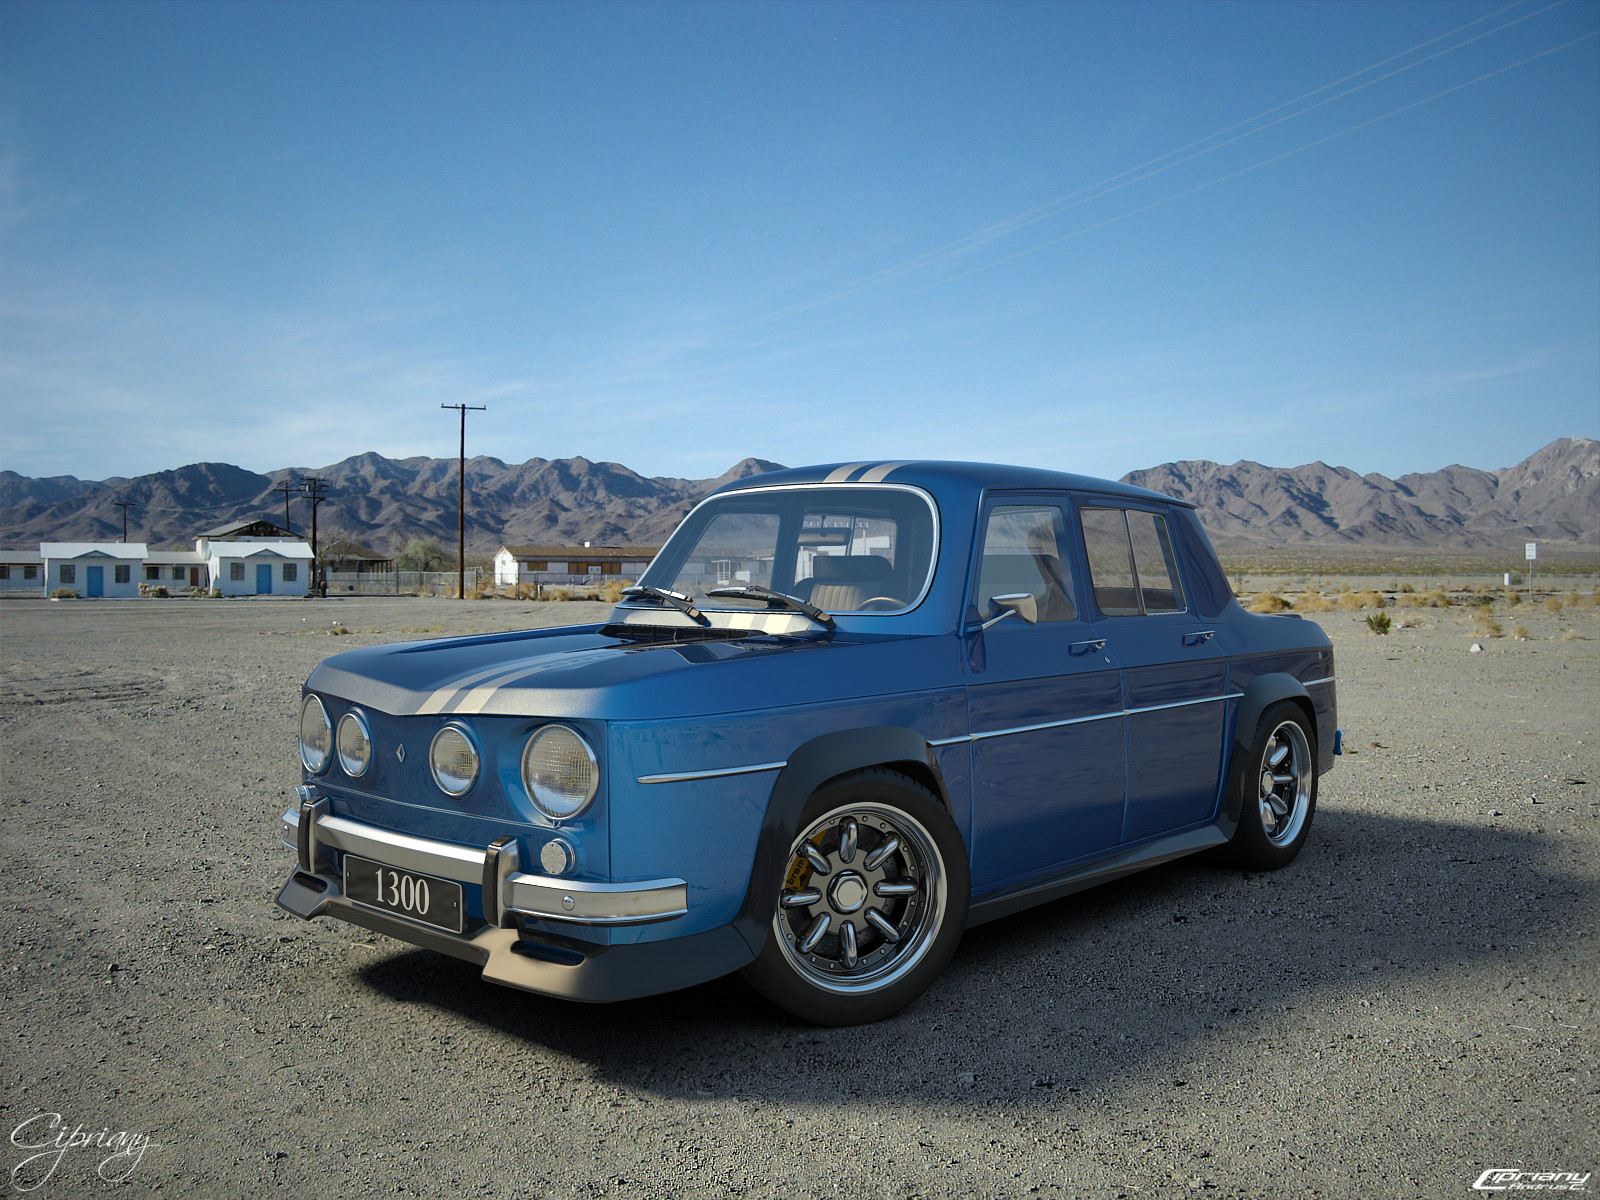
(1552, 497)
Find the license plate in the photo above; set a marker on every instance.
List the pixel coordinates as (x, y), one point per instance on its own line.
(435, 902)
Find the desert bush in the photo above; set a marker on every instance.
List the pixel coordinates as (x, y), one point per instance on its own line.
(1551, 604)
(1378, 622)
(159, 592)
(1406, 589)
(1513, 598)
(1484, 624)
(1572, 635)
(611, 590)
(1312, 600)
(1268, 602)
(64, 594)
(216, 593)
(1520, 633)
(558, 593)
(1352, 601)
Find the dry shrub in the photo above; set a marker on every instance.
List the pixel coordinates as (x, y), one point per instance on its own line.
(1406, 589)
(1378, 622)
(611, 590)
(1551, 604)
(1520, 633)
(1312, 600)
(558, 594)
(1513, 598)
(1484, 624)
(1268, 602)
(1351, 601)
(1572, 635)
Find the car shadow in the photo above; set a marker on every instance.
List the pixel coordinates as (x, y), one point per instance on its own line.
(1139, 973)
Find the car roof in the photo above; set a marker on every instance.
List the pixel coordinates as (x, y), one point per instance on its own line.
(945, 478)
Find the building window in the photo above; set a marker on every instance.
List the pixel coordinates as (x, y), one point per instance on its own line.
(724, 570)
(5, 571)
(236, 572)
(151, 573)
(535, 564)
(30, 572)
(69, 573)
(122, 573)
(177, 573)
(291, 572)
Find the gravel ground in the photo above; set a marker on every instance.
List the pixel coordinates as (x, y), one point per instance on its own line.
(1408, 1005)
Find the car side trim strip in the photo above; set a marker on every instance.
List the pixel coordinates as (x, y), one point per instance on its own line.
(1314, 682)
(686, 776)
(1121, 712)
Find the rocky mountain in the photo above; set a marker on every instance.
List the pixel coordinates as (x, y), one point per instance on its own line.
(381, 502)
(1552, 497)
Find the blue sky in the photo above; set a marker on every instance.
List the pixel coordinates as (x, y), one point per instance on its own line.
(1087, 236)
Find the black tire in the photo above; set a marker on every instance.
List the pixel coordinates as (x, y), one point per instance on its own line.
(1277, 790)
(871, 902)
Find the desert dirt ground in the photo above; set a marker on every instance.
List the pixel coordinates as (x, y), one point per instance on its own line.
(1411, 1003)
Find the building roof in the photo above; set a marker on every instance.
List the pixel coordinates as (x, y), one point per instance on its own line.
(258, 527)
(129, 550)
(569, 552)
(176, 558)
(241, 549)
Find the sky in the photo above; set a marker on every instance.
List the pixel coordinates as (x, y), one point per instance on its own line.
(1087, 236)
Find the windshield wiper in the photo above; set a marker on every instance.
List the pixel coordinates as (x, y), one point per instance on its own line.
(676, 599)
(750, 591)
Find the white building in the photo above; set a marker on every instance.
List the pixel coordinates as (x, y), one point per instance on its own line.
(93, 568)
(21, 571)
(568, 564)
(176, 570)
(269, 567)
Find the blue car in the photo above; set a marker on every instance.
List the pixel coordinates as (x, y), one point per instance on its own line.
(848, 712)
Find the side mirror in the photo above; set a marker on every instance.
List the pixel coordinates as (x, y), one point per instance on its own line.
(1017, 604)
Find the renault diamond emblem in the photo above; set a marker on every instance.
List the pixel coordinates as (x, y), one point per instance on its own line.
(400, 753)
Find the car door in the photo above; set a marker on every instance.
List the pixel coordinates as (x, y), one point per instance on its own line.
(1174, 678)
(1043, 700)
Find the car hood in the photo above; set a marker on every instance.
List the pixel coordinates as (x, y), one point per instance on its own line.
(580, 673)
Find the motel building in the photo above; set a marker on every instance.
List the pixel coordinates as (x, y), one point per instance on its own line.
(250, 559)
(94, 568)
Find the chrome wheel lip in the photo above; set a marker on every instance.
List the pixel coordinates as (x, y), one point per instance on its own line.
(1284, 786)
(880, 963)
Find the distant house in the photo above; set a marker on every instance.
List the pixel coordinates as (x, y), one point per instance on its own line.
(94, 568)
(21, 571)
(281, 567)
(343, 556)
(569, 564)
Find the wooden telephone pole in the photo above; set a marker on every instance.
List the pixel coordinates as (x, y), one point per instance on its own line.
(461, 498)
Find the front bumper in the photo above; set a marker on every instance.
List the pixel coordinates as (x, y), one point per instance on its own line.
(553, 966)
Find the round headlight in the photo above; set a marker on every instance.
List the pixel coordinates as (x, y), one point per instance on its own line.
(454, 760)
(355, 744)
(560, 772)
(316, 734)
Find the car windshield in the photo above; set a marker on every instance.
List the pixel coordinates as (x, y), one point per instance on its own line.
(844, 549)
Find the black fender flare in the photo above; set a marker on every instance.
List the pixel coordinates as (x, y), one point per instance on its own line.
(811, 765)
(1260, 694)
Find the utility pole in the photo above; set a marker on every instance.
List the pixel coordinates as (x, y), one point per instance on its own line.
(125, 505)
(286, 487)
(461, 499)
(314, 491)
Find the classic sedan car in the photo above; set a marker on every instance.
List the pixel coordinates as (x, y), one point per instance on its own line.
(848, 712)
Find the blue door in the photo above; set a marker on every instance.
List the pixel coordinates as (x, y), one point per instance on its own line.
(95, 581)
(1045, 705)
(263, 579)
(1174, 678)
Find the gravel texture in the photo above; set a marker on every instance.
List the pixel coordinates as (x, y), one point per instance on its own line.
(1409, 1004)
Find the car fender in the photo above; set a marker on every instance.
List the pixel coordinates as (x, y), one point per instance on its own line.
(808, 768)
(1262, 692)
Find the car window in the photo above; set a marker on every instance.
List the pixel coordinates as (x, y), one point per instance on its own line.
(1023, 549)
(851, 548)
(1159, 588)
(1131, 564)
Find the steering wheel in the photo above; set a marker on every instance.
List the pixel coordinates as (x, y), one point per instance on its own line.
(880, 603)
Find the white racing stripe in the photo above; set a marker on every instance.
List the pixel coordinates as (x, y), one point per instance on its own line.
(841, 474)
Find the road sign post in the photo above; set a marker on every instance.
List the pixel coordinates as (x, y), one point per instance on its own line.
(1530, 551)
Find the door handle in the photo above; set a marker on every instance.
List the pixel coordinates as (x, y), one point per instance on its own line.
(1200, 638)
(1088, 647)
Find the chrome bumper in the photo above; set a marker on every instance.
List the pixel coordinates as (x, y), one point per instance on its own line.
(312, 831)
